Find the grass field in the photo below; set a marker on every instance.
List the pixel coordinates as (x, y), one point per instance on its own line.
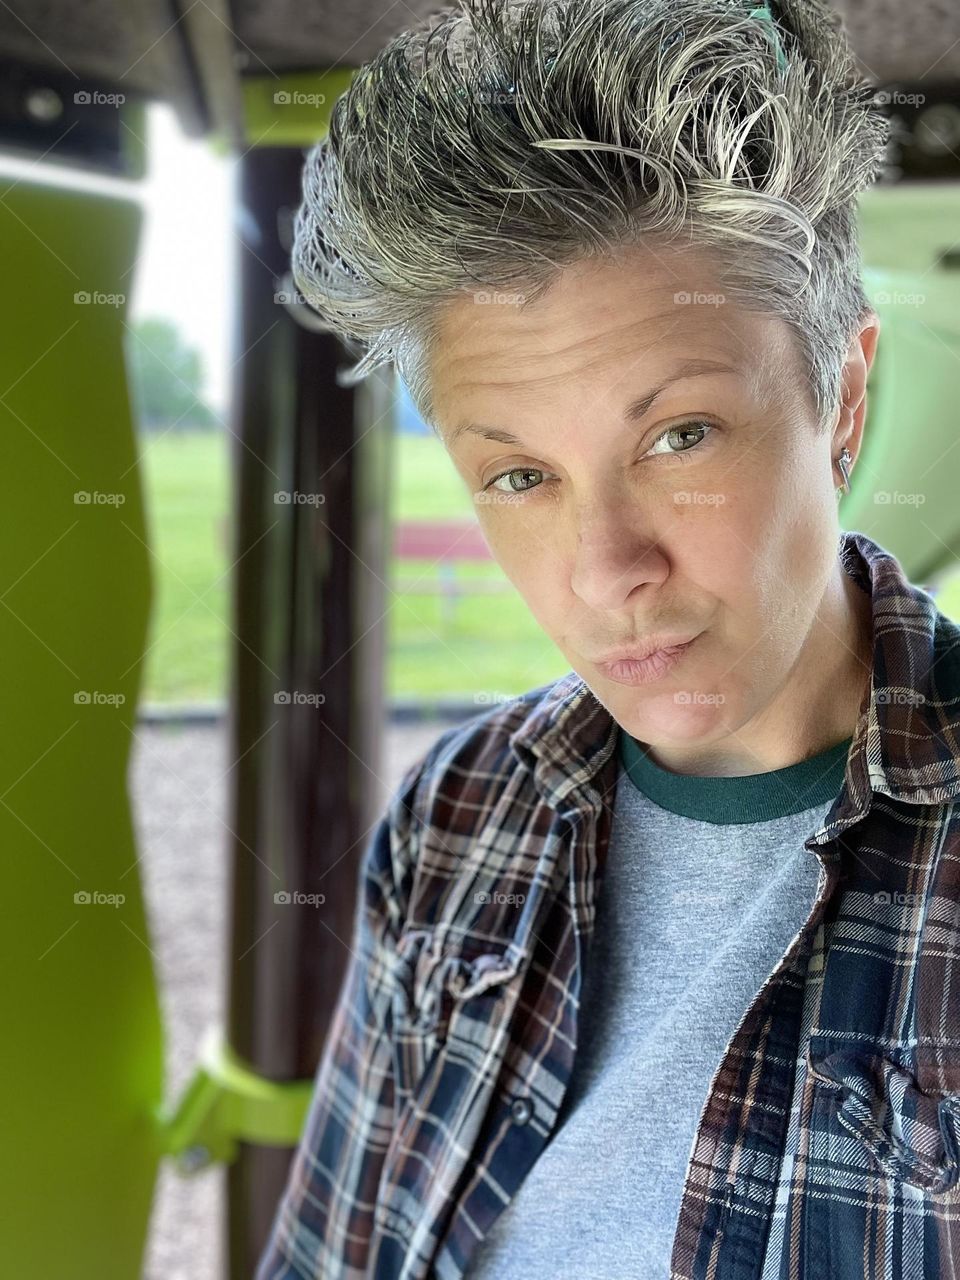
(186, 487)
(492, 645)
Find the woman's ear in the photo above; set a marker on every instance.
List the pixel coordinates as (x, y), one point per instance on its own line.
(853, 386)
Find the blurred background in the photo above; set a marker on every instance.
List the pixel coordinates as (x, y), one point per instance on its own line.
(240, 598)
(457, 634)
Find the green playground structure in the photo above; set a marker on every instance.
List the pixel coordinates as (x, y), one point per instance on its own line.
(87, 1117)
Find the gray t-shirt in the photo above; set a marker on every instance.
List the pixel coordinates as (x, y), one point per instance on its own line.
(707, 882)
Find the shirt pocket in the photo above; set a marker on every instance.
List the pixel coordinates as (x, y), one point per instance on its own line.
(433, 981)
(898, 1128)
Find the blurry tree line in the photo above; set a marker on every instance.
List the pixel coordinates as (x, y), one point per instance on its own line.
(166, 378)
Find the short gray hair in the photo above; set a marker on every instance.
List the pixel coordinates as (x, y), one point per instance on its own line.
(497, 142)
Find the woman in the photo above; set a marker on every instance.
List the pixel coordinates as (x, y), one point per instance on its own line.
(652, 967)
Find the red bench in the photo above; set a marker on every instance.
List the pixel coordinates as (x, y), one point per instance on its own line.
(444, 542)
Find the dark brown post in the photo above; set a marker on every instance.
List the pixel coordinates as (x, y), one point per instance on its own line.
(310, 468)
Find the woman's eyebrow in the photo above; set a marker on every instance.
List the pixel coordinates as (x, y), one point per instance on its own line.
(634, 411)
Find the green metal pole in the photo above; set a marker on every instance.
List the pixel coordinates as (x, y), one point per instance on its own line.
(81, 1072)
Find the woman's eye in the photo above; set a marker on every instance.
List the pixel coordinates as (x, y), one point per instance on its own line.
(685, 429)
(508, 475)
(687, 436)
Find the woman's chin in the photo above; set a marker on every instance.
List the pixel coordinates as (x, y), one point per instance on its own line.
(672, 715)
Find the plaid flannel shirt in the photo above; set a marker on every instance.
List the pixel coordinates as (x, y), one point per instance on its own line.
(828, 1146)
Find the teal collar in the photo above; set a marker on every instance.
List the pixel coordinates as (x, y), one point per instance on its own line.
(754, 797)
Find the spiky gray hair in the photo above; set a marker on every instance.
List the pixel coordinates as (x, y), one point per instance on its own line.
(497, 142)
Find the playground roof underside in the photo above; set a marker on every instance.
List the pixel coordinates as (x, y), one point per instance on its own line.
(192, 53)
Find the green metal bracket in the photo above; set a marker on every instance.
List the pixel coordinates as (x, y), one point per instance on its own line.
(291, 110)
(226, 1103)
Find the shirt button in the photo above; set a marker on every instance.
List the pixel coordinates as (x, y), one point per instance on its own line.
(521, 1110)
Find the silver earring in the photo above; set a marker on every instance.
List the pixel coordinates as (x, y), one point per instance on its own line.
(843, 462)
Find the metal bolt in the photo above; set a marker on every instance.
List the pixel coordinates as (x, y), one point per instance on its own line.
(937, 130)
(193, 1159)
(43, 105)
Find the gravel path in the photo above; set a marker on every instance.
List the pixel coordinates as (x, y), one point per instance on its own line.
(178, 795)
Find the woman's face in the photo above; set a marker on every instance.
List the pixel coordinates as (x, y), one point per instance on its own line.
(709, 510)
